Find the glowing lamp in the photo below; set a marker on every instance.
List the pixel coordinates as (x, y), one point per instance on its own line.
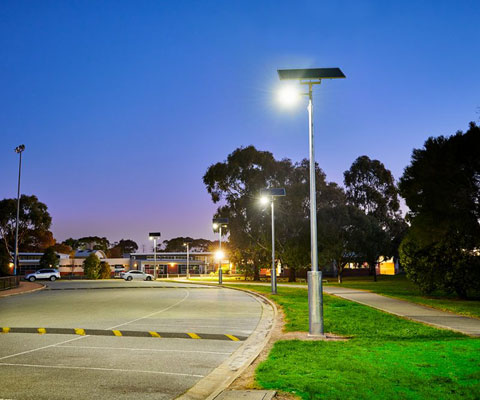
(289, 95)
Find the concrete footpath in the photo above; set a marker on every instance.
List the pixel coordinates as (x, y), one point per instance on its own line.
(25, 287)
(416, 312)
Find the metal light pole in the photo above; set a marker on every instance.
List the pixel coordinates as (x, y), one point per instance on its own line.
(312, 77)
(270, 194)
(187, 244)
(218, 223)
(19, 150)
(154, 236)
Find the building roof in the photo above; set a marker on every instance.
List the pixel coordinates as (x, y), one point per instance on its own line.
(86, 253)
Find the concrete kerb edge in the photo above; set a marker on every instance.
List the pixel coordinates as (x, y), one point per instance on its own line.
(25, 292)
(209, 387)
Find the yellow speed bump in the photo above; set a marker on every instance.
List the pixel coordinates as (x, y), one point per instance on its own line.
(79, 331)
(193, 335)
(5, 330)
(234, 338)
(41, 331)
(117, 333)
(153, 334)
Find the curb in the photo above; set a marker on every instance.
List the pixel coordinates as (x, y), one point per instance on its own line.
(222, 377)
(24, 292)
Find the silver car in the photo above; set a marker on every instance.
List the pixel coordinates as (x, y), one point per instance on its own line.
(51, 274)
(135, 274)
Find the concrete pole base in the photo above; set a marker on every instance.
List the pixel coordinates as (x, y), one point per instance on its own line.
(315, 304)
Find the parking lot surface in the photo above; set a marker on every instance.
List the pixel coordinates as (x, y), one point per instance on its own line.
(196, 329)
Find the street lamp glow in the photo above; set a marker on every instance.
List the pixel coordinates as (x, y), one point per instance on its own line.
(289, 95)
(264, 200)
(219, 254)
(215, 226)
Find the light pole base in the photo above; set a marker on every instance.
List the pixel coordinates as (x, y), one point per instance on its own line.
(220, 276)
(315, 303)
(274, 282)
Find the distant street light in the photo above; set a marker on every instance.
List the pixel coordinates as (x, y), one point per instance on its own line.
(310, 77)
(154, 236)
(217, 225)
(187, 244)
(19, 150)
(268, 195)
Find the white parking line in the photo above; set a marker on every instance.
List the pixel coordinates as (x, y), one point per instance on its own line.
(41, 348)
(101, 369)
(155, 350)
(156, 312)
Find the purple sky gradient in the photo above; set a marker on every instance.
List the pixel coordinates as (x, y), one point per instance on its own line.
(123, 105)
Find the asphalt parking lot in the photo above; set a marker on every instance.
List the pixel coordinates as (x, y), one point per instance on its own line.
(205, 323)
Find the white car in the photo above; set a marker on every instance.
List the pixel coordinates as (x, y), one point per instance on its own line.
(51, 274)
(135, 274)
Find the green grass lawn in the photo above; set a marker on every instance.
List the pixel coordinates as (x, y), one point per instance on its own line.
(387, 357)
(399, 286)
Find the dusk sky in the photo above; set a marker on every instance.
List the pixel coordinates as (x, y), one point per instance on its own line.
(123, 105)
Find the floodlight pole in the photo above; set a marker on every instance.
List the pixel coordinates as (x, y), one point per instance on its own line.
(18, 150)
(315, 296)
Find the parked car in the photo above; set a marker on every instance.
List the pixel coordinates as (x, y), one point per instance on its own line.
(118, 271)
(135, 274)
(51, 274)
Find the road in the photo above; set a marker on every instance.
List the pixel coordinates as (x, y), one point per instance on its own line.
(118, 340)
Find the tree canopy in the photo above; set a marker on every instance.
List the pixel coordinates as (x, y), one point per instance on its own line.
(441, 187)
(370, 187)
(236, 184)
(49, 258)
(91, 267)
(33, 228)
(177, 244)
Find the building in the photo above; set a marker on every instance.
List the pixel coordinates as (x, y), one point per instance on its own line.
(30, 262)
(176, 263)
(68, 266)
(167, 263)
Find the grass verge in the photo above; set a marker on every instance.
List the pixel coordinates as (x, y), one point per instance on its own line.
(387, 357)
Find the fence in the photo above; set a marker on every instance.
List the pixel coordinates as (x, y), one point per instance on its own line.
(9, 282)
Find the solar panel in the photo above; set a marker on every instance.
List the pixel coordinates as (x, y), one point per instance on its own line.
(273, 192)
(311, 73)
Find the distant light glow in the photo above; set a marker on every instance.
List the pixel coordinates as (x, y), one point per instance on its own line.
(288, 95)
(215, 225)
(219, 254)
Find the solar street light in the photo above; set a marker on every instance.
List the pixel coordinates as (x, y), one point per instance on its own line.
(155, 236)
(217, 225)
(187, 245)
(310, 77)
(269, 195)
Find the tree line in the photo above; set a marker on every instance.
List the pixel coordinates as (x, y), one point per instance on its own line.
(437, 242)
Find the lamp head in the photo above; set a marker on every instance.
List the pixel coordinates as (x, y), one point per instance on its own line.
(264, 200)
(289, 95)
(219, 254)
(20, 148)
